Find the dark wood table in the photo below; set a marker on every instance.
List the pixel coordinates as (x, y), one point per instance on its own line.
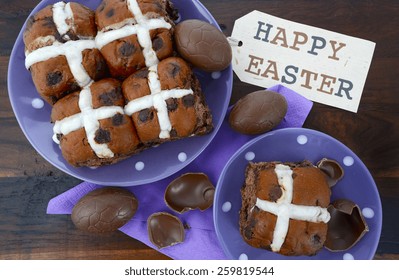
(28, 182)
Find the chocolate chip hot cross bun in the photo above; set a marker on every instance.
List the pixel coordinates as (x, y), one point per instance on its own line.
(91, 126)
(134, 34)
(60, 50)
(284, 207)
(165, 102)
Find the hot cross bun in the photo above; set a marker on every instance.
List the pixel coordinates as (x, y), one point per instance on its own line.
(49, 37)
(166, 103)
(113, 79)
(284, 207)
(134, 34)
(91, 126)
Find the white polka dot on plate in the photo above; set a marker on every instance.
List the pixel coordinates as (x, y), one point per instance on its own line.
(348, 161)
(302, 139)
(182, 157)
(139, 165)
(250, 156)
(93, 167)
(368, 212)
(348, 256)
(226, 207)
(37, 103)
(216, 75)
(243, 257)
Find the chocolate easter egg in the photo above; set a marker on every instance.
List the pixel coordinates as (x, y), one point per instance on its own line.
(346, 226)
(258, 112)
(332, 169)
(190, 191)
(165, 230)
(203, 45)
(104, 210)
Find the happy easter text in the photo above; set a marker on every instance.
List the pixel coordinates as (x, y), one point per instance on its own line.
(291, 74)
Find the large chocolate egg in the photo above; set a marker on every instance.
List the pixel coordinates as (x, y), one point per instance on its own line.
(104, 210)
(203, 45)
(258, 112)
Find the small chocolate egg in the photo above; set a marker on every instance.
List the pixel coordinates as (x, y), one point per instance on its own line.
(258, 112)
(332, 169)
(190, 191)
(165, 230)
(203, 45)
(346, 226)
(104, 210)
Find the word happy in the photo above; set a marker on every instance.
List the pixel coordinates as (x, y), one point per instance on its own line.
(296, 41)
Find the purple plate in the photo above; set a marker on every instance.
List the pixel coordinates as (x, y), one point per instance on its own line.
(296, 144)
(151, 165)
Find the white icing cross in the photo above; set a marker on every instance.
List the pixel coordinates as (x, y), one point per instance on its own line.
(72, 50)
(63, 18)
(157, 99)
(89, 119)
(285, 210)
(141, 29)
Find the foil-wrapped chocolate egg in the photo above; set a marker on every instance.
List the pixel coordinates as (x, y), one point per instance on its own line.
(190, 191)
(165, 230)
(332, 169)
(346, 226)
(203, 45)
(104, 210)
(258, 112)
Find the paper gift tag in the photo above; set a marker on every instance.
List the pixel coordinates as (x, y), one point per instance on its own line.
(323, 66)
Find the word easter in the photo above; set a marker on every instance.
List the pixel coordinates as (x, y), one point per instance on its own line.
(324, 82)
(323, 66)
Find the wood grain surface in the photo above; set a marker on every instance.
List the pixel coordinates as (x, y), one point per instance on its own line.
(28, 182)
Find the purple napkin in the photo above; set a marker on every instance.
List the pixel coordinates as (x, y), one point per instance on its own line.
(201, 241)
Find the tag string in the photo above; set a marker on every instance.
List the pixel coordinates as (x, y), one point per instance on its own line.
(234, 42)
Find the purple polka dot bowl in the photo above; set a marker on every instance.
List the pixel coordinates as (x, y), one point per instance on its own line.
(293, 145)
(154, 164)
